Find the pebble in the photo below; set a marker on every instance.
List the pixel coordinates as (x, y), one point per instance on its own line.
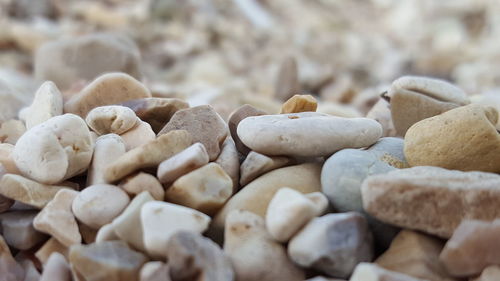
(160, 220)
(323, 244)
(416, 98)
(464, 139)
(235, 118)
(287, 81)
(299, 103)
(110, 146)
(108, 260)
(204, 124)
(191, 158)
(148, 155)
(56, 269)
(415, 254)
(154, 271)
(229, 161)
(51, 246)
(290, 210)
(11, 130)
(27, 191)
(205, 189)
(57, 219)
(255, 256)
(371, 272)
(10, 269)
(138, 135)
(491, 273)
(450, 196)
(30, 271)
(156, 111)
(473, 247)
(381, 112)
(126, 225)
(111, 119)
(18, 231)
(99, 204)
(7, 160)
(306, 133)
(54, 150)
(193, 257)
(106, 233)
(256, 164)
(97, 53)
(140, 182)
(107, 89)
(47, 103)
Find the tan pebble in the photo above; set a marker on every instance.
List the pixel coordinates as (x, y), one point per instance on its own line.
(138, 135)
(18, 229)
(141, 182)
(107, 89)
(189, 159)
(491, 273)
(57, 219)
(27, 191)
(371, 272)
(287, 81)
(106, 233)
(7, 160)
(48, 102)
(107, 147)
(156, 111)
(205, 189)
(99, 204)
(256, 164)
(9, 268)
(235, 118)
(154, 271)
(204, 124)
(299, 103)
(229, 161)
(111, 119)
(463, 138)
(381, 112)
(49, 247)
(56, 269)
(148, 155)
(11, 130)
(252, 251)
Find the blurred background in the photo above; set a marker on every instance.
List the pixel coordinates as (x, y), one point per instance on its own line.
(230, 52)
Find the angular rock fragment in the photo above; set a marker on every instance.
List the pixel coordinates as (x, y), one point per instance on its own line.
(51, 246)
(140, 182)
(235, 118)
(256, 164)
(191, 158)
(299, 103)
(107, 147)
(138, 135)
(229, 161)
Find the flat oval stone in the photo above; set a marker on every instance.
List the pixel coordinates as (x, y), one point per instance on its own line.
(306, 133)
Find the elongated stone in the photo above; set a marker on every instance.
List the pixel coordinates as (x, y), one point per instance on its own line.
(107, 147)
(191, 158)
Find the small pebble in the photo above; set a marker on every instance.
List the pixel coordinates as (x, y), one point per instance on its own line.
(191, 158)
(371, 272)
(138, 135)
(49, 247)
(135, 184)
(235, 118)
(111, 119)
(229, 161)
(287, 81)
(18, 231)
(299, 103)
(56, 269)
(106, 147)
(256, 164)
(47, 103)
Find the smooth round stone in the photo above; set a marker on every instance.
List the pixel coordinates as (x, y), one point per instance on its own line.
(306, 133)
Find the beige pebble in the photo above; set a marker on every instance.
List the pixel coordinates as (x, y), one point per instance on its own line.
(371, 272)
(299, 103)
(49, 247)
(229, 161)
(204, 124)
(11, 130)
(463, 138)
(27, 191)
(381, 112)
(54, 150)
(107, 147)
(7, 160)
(99, 204)
(106, 233)
(9, 268)
(56, 269)
(148, 155)
(138, 135)
(450, 196)
(256, 164)
(107, 89)
(491, 273)
(255, 256)
(48, 102)
(57, 219)
(137, 183)
(287, 80)
(160, 220)
(235, 118)
(205, 189)
(113, 119)
(191, 158)
(290, 210)
(154, 271)
(18, 231)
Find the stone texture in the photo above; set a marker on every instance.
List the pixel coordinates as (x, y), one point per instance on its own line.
(54, 150)
(107, 147)
(108, 260)
(156, 111)
(7, 160)
(47, 103)
(229, 161)
(27, 191)
(140, 182)
(99, 204)
(107, 89)
(70, 60)
(333, 244)
(138, 135)
(371, 272)
(473, 247)
(154, 271)
(10, 269)
(306, 133)
(235, 118)
(204, 124)
(160, 220)
(56, 269)
(256, 164)
(417, 98)
(415, 254)
(290, 210)
(148, 155)
(58, 220)
(287, 81)
(193, 257)
(18, 230)
(464, 139)
(11, 130)
(431, 199)
(111, 119)
(191, 158)
(299, 103)
(491, 273)
(255, 256)
(205, 189)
